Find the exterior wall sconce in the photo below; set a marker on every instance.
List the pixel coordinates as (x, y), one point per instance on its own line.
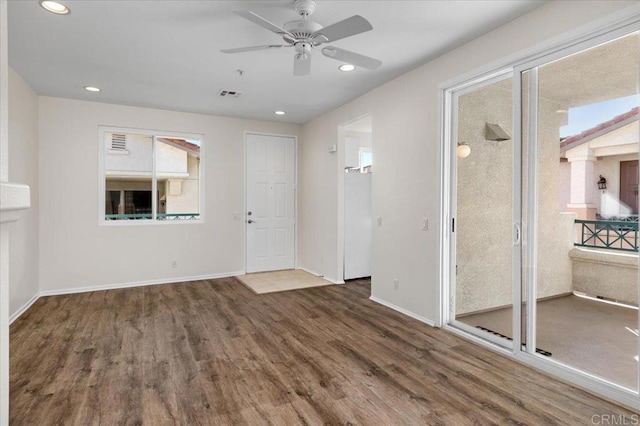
(494, 132)
(602, 183)
(463, 150)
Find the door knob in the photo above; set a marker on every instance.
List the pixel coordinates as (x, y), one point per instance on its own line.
(250, 221)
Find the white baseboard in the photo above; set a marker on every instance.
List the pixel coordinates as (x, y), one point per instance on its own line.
(320, 275)
(24, 308)
(138, 284)
(403, 311)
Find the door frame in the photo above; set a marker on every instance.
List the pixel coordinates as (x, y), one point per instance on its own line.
(340, 151)
(295, 194)
(450, 97)
(636, 211)
(623, 22)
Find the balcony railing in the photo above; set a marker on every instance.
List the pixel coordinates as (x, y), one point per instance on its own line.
(607, 234)
(159, 216)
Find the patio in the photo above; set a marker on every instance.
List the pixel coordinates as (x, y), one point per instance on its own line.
(593, 335)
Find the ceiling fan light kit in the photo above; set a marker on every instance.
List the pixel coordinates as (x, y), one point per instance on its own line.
(305, 35)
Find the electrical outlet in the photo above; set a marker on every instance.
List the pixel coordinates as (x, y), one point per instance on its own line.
(174, 264)
(396, 284)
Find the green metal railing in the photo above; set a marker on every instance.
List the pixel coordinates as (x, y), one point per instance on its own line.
(607, 234)
(159, 216)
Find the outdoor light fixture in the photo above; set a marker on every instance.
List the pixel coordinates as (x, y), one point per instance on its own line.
(346, 67)
(493, 132)
(602, 183)
(91, 89)
(280, 113)
(463, 150)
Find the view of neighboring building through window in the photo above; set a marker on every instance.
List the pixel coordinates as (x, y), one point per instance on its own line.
(366, 157)
(136, 164)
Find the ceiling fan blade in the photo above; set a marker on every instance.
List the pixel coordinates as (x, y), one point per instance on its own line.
(252, 48)
(302, 64)
(256, 19)
(351, 58)
(346, 28)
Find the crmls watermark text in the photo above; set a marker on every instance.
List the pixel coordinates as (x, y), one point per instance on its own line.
(616, 419)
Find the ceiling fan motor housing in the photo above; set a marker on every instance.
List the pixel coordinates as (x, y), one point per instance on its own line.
(302, 29)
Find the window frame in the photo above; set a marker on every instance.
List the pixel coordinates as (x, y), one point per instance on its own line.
(103, 150)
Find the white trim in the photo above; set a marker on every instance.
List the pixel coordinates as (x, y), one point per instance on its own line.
(295, 193)
(340, 204)
(154, 178)
(139, 283)
(320, 275)
(532, 212)
(403, 311)
(562, 372)
(23, 308)
(309, 271)
(484, 335)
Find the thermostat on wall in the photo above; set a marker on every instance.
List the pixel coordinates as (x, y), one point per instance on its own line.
(333, 148)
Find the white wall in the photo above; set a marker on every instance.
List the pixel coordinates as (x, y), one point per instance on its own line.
(23, 168)
(4, 231)
(406, 180)
(75, 252)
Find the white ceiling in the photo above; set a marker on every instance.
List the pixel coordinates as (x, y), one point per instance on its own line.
(166, 54)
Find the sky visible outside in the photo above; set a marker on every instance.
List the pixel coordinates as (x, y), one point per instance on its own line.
(587, 116)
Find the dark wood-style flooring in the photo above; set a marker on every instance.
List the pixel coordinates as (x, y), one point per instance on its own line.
(213, 353)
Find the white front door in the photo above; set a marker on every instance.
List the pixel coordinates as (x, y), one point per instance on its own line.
(270, 215)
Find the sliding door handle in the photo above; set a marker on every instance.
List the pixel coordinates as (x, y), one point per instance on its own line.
(516, 234)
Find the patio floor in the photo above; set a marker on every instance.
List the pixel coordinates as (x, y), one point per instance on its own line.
(595, 336)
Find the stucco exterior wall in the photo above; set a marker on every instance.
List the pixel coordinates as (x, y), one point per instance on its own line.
(137, 159)
(484, 240)
(609, 274)
(555, 229)
(484, 201)
(188, 200)
(170, 160)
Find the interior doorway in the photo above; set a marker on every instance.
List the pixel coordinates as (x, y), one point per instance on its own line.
(358, 206)
(270, 202)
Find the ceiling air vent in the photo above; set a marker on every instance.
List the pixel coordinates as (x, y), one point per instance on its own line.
(229, 94)
(119, 141)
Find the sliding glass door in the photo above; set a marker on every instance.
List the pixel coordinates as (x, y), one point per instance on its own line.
(543, 211)
(580, 130)
(483, 271)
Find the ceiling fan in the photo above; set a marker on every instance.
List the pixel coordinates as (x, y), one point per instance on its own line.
(304, 35)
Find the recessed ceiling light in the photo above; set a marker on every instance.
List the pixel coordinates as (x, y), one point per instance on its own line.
(91, 89)
(55, 7)
(346, 67)
(280, 113)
